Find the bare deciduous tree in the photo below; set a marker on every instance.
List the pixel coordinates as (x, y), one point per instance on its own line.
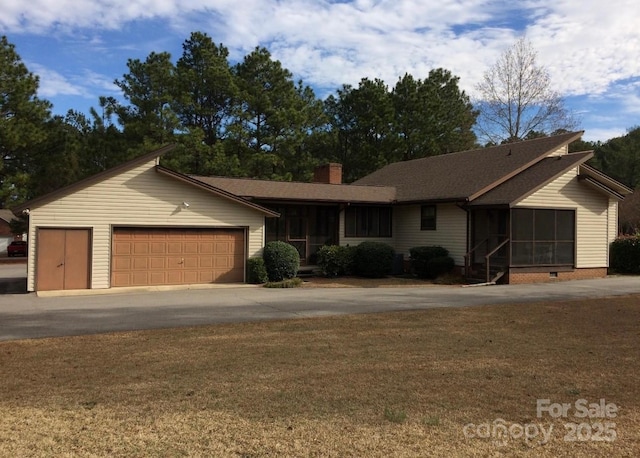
(516, 98)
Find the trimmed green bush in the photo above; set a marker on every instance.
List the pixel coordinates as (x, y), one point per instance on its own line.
(256, 271)
(439, 266)
(328, 259)
(420, 257)
(349, 259)
(373, 259)
(281, 260)
(625, 254)
(335, 260)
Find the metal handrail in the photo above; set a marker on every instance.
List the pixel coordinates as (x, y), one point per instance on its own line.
(488, 255)
(478, 246)
(467, 257)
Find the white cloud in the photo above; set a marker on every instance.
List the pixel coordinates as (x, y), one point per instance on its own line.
(589, 46)
(629, 96)
(54, 84)
(603, 134)
(101, 82)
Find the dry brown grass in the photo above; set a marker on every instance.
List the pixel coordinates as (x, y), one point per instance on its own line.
(397, 384)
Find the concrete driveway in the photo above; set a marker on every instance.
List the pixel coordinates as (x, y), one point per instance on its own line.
(24, 316)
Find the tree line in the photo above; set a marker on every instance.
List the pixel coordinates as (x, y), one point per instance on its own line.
(249, 119)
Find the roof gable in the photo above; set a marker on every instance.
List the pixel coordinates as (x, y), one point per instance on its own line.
(604, 182)
(126, 166)
(465, 175)
(88, 181)
(532, 179)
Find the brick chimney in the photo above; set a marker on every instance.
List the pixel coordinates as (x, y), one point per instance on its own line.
(328, 173)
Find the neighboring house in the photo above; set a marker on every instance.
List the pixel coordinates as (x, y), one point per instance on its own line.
(6, 216)
(526, 211)
(6, 236)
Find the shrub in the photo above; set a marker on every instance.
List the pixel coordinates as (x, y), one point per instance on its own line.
(281, 261)
(290, 283)
(420, 257)
(625, 254)
(336, 260)
(439, 266)
(256, 271)
(328, 259)
(373, 259)
(349, 259)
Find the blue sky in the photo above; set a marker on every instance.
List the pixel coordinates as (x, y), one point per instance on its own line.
(590, 47)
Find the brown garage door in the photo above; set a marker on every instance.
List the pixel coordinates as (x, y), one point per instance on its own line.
(63, 259)
(145, 256)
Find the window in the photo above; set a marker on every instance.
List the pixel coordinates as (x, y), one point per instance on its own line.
(428, 218)
(367, 222)
(543, 237)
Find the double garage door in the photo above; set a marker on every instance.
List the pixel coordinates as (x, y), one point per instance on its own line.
(160, 256)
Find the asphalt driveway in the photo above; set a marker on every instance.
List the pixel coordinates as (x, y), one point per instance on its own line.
(24, 316)
(13, 276)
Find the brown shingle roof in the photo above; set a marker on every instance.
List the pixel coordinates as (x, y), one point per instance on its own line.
(532, 179)
(6, 215)
(465, 175)
(297, 191)
(215, 190)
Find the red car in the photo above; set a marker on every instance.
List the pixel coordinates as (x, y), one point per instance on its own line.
(17, 248)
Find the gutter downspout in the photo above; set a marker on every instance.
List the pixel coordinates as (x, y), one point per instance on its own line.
(464, 206)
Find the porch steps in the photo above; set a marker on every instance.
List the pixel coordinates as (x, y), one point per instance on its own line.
(478, 276)
(308, 271)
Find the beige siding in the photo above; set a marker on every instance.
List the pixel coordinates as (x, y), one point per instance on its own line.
(352, 241)
(613, 224)
(451, 230)
(613, 219)
(592, 216)
(560, 151)
(139, 197)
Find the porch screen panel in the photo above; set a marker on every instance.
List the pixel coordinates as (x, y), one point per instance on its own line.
(543, 237)
(275, 227)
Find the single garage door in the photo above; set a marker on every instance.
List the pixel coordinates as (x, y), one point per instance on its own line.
(160, 256)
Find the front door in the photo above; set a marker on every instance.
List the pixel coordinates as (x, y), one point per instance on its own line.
(490, 229)
(63, 259)
(297, 235)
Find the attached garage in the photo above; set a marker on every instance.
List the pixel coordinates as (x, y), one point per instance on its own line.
(140, 224)
(174, 256)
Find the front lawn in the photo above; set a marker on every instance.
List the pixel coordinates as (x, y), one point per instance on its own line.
(394, 384)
